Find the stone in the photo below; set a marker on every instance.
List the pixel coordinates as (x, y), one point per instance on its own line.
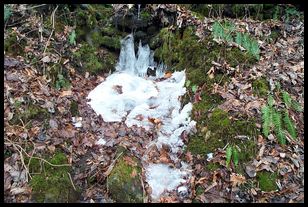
(124, 181)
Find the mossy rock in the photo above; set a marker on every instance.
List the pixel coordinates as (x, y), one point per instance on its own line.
(267, 180)
(175, 49)
(124, 182)
(52, 184)
(93, 61)
(13, 46)
(260, 87)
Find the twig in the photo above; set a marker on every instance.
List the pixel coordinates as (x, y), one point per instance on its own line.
(54, 165)
(71, 181)
(53, 28)
(145, 200)
(112, 165)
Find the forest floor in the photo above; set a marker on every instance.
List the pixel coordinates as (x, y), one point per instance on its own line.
(44, 121)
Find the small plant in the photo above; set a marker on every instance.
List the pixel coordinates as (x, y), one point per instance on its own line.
(232, 152)
(248, 43)
(272, 118)
(223, 31)
(62, 82)
(72, 38)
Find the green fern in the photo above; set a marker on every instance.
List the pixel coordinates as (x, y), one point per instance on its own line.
(296, 106)
(276, 117)
(270, 100)
(286, 99)
(266, 117)
(235, 156)
(228, 155)
(289, 125)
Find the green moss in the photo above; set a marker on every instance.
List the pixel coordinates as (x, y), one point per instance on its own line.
(260, 87)
(93, 61)
(212, 166)
(13, 46)
(74, 108)
(175, 49)
(267, 180)
(123, 185)
(111, 42)
(217, 130)
(145, 15)
(199, 190)
(30, 113)
(53, 183)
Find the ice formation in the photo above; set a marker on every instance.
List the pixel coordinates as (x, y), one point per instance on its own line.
(128, 95)
(161, 177)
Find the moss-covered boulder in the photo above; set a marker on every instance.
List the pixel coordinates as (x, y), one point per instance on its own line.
(94, 60)
(124, 181)
(52, 184)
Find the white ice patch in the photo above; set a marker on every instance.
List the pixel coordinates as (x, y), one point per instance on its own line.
(127, 95)
(162, 177)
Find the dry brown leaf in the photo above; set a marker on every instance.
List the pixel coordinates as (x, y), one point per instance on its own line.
(129, 161)
(134, 173)
(154, 120)
(118, 89)
(167, 75)
(237, 179)
(66, 93)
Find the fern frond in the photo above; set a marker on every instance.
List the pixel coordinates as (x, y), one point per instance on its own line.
(281, 137)
(276, 117)
(235, 156)
(228, 155)
(286, 99)
(289, 125)
(266, 118)
(238, 38)
(270, 100)
(296, 106)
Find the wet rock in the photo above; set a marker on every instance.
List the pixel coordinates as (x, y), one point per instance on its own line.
(124, 182)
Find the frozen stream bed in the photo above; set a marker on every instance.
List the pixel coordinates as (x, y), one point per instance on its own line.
(130, 95)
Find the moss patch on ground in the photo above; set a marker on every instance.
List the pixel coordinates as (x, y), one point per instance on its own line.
(217, 130)
(51, 184)
(124, 181)
(260, 87)
(74, 108)
(267, 180)
(31, 112)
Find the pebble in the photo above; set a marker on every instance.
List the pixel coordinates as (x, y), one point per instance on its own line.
(282, 155)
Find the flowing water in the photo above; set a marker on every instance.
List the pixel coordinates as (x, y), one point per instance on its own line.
(128, 94)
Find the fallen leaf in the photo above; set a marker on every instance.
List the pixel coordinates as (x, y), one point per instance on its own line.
(134, 173)
(154, 120)
(129, 161)
(237, 179)
(66, 93)
(46, 59)
(118, 89)
(167, 75)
